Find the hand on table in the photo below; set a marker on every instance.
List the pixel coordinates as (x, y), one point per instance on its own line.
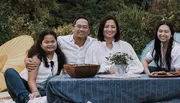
(112, 70)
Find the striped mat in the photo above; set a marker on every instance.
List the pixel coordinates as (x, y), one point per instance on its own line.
(4, 95)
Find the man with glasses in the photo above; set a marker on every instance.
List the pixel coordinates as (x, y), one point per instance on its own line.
(73, 46)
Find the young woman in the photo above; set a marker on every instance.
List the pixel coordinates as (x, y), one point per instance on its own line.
(49, 62)
(166, 52)
(109, 42)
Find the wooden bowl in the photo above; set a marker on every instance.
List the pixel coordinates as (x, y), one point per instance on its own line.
(81, 70)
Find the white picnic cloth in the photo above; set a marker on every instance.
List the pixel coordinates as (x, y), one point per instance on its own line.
(39, 100)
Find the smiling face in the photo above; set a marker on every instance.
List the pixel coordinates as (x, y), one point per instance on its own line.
(109, 29)
(81, 29)
(164, 33)
(49, 43)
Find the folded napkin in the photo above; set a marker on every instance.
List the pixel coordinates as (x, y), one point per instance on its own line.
(120, 76)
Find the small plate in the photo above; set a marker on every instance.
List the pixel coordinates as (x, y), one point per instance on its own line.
(164, 74)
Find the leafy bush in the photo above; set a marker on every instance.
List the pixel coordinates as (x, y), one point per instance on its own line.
(136, 17)
(63, 30)
(21, 17)
(5, 31)
(136, 26)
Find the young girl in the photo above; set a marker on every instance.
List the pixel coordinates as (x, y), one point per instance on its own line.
(49, 62)
(166, 52)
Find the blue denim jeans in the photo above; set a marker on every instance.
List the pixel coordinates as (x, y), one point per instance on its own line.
(18, 87)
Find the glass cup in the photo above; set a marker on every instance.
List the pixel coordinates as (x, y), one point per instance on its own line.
(120, 69)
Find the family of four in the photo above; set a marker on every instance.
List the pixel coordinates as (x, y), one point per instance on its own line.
(46, 57)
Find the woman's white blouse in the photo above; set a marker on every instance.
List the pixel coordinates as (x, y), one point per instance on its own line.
(98, 51)
(175, 56)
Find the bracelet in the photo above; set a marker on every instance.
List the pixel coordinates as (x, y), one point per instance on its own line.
(39, 95)
(35, 91)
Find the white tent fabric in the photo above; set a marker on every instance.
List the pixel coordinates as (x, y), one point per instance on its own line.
(39, 100)
(177, 37)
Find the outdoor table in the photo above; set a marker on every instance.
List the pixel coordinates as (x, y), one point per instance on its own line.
(64, 89)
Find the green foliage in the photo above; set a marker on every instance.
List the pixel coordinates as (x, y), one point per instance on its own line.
(136, 20)
(29, 16)
(94, 10)
(136, 17)
(137, 25)
(171, 12)
(119, 58)
(5, 31)
(63, 30)
(134, 26)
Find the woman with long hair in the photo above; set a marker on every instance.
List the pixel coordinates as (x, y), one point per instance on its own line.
(166, 52)
(109, 43)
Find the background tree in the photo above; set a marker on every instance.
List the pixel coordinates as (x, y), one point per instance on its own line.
(5, 30)
(30, 16)
(137, 18)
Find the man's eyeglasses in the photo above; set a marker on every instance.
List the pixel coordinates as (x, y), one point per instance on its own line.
(82, 26)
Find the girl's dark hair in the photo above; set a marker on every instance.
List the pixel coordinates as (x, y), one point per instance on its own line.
(101, 28)
(36, 49)
(157, 47)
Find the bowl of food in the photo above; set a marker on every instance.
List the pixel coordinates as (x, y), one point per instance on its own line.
(81, 70)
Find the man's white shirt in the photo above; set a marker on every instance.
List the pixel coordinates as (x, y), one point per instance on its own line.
(74, 54)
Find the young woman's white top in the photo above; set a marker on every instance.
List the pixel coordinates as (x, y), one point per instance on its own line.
(43, 72)
(175, 56)
(98, 51)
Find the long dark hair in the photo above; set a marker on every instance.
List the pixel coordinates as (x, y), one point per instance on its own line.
(101, 28)
(36, 49)
(157, 47)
